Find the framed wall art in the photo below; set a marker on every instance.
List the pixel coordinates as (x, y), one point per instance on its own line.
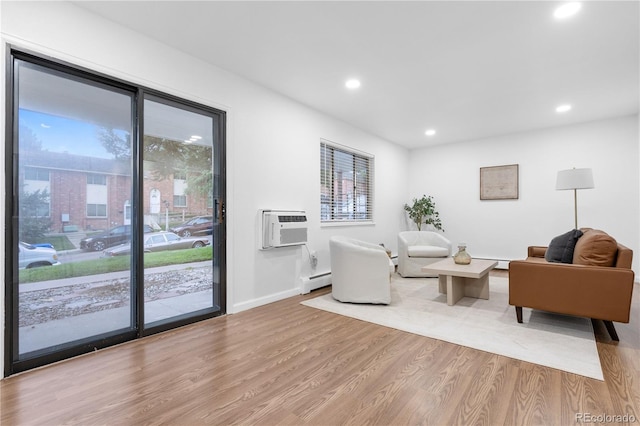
(499, 182)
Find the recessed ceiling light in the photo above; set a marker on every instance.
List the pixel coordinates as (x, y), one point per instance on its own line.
(430, 132)
(352, 84)
(567, 10)
(563, 108)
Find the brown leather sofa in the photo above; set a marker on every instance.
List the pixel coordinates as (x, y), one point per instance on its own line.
(595, 285)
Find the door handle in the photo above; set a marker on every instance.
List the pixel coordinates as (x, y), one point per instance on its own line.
(220, 211)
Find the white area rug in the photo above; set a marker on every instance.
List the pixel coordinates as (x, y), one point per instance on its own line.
(558, 341)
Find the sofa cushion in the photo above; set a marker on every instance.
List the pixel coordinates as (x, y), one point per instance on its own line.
(427, 251)
(561, 248)
(595, 248)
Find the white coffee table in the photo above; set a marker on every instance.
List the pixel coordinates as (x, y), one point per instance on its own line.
(457, 281)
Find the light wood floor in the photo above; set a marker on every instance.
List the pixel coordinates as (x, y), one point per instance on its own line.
(285, 363)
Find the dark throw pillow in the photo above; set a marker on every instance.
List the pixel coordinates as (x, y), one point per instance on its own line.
(561, 248)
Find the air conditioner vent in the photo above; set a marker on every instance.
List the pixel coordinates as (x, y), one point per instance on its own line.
(283, 228)
(299, 218)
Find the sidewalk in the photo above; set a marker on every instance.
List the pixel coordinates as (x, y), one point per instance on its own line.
(52, 333)
(107, 310)
(43, 285)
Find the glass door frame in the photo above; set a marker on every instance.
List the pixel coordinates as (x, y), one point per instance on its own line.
(137, 330)
(219, 232)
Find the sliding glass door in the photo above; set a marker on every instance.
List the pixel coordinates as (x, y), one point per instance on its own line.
(115, 220)
(178, 171)
(69, 188)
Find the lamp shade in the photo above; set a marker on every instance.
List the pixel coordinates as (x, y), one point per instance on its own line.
(575, 179)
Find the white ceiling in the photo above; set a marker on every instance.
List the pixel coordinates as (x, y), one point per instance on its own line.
(467, 69)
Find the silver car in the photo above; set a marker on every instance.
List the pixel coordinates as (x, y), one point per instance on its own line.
(160, 241)
(30, 256)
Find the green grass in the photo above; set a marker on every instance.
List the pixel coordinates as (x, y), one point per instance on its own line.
(59, 242)
(114, 264)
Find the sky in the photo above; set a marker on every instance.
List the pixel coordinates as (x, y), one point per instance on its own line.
(59, 134)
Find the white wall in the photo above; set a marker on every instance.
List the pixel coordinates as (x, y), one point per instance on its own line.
(273, 143)
(503, 229)
(273, 159)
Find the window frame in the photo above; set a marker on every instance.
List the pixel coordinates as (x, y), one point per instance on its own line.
(358, 157)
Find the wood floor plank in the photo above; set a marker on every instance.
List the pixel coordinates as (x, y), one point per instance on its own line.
(286, 363)
(485, 389)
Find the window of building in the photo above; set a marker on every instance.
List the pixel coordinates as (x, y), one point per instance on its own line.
(346, 184)
(97, 196)
(179, 189)
(96, 179)
(36, 193)
(179, 201)
(31, 173)
(96, 210)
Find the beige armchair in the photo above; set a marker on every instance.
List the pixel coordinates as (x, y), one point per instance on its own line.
(420, 248)
(360, 271)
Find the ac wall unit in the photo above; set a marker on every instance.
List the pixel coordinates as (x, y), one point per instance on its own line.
(283, 228)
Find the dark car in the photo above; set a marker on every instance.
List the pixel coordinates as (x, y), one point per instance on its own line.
(199, 225)
(118, 235)
(160, 241)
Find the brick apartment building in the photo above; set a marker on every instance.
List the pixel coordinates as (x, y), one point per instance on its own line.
(90, 193)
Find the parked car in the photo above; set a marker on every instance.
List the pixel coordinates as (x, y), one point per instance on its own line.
(199, 225)
(30, 256)
(160, 241)
(118, 235)
(43, 245)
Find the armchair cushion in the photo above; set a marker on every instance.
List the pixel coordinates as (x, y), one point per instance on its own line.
(561, 248)
(417, 249)
(427, 251)
(595, 248)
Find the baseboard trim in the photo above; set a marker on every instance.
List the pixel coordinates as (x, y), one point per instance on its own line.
(254, 303)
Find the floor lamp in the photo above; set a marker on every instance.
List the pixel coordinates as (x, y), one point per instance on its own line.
(575, 179)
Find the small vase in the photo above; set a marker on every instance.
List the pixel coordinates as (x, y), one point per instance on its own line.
(462, 257)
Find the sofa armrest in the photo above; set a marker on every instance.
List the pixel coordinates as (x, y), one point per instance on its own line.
(589, 291)
(536, 251)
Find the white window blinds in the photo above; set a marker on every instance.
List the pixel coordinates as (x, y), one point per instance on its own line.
(346, 184)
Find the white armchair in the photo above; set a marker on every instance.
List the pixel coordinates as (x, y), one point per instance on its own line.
(420, 248)
(360, 271)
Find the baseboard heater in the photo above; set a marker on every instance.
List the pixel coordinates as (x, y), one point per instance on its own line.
(314, 282)
(502, 263)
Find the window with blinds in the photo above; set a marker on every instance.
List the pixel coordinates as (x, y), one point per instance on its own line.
(346, 184)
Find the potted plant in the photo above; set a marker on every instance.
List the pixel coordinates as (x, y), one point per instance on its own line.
(423, 211)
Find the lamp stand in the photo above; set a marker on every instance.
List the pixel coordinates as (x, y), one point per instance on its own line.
(575, 206)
